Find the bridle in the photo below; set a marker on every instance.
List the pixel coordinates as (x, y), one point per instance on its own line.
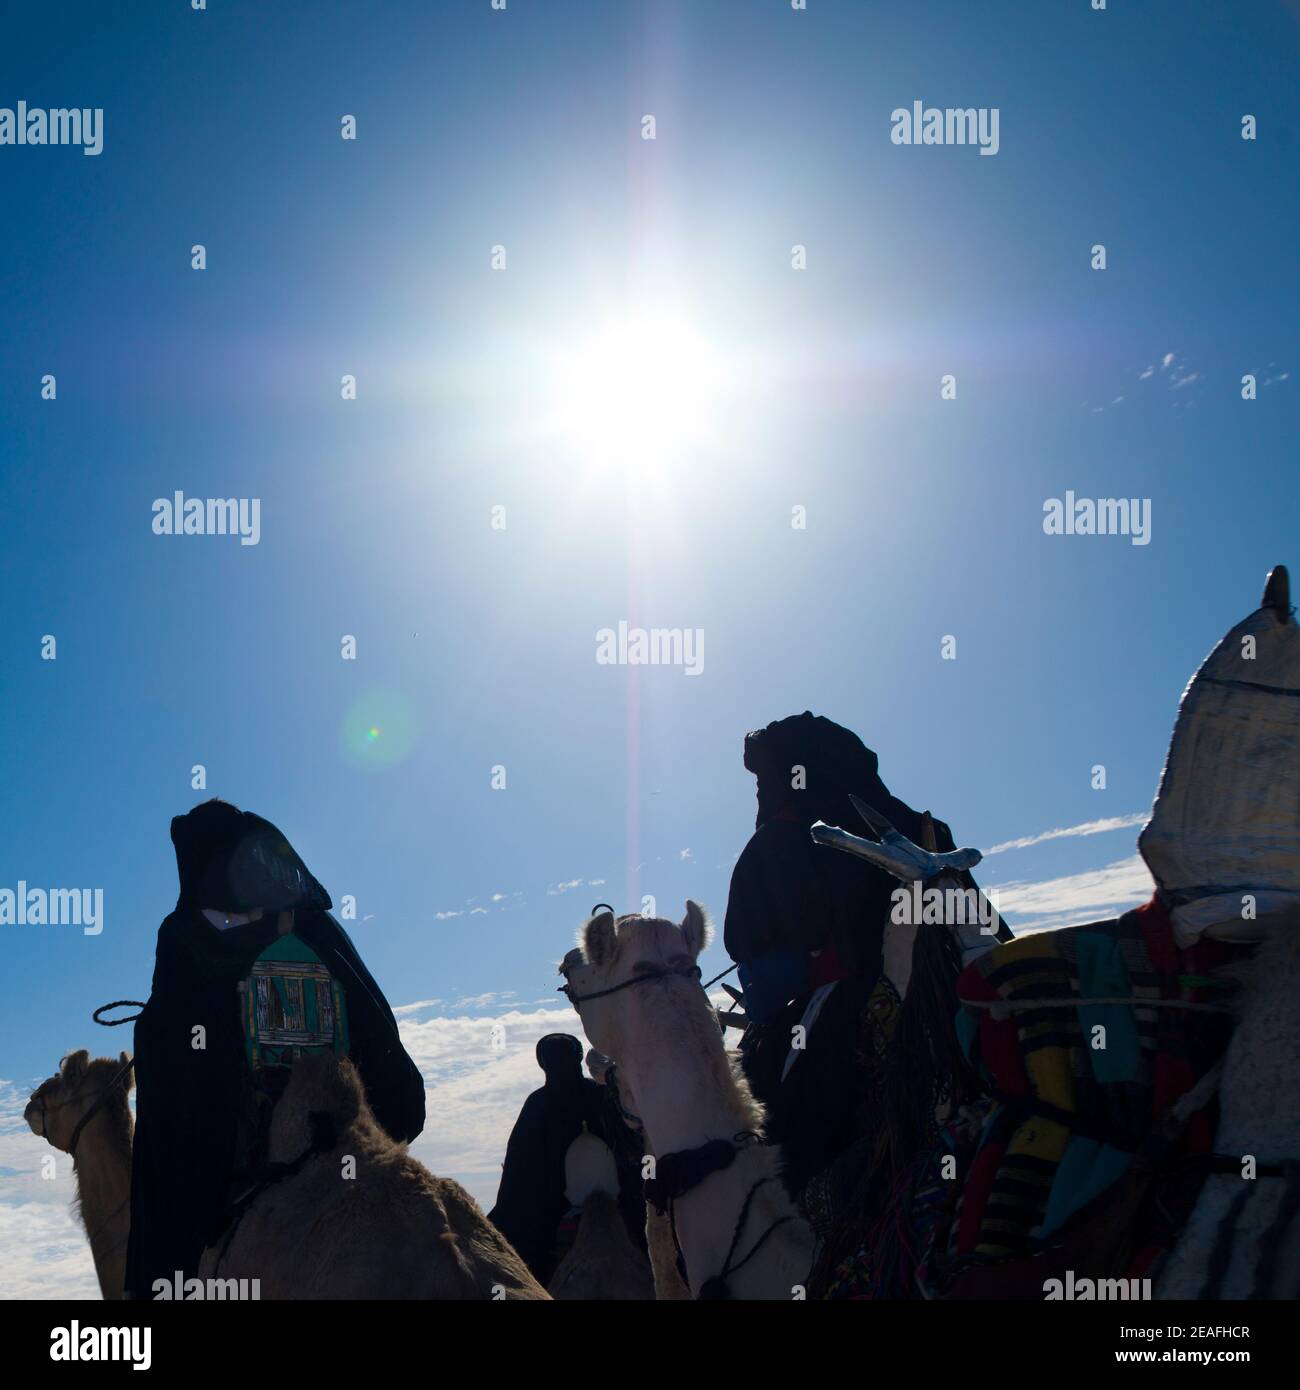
(44, 1107)
(686, 971)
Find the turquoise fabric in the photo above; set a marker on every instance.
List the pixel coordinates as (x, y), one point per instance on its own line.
(1087, 1168)
(1102, 975)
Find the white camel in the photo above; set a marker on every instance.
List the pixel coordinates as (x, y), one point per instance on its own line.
(635, 983)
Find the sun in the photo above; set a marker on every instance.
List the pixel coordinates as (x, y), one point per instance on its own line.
(639, 393)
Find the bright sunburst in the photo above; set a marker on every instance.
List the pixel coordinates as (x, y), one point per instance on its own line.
(638, 392)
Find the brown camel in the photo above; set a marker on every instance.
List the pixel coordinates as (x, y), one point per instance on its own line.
(603, 1263)
(360, 1218)
(83, 1110)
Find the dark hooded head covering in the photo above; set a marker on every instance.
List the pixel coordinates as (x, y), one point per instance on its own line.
(560, 1056)
(835, 762)
(234, 861)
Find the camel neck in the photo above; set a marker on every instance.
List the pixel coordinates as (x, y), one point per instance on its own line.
(683, 1087)
(102, 1166)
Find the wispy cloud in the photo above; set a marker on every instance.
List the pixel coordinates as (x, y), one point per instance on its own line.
(416, 1007)
(1075, 898)
(1069, 832)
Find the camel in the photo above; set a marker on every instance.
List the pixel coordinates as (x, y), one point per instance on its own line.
(634, 982)
(603, 1263)
(82, 1110)
(669, 1286)
(360, 1218)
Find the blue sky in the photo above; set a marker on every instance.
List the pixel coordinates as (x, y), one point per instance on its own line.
(476, 647)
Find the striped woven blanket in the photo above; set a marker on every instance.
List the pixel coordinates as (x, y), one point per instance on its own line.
(1077, 1088)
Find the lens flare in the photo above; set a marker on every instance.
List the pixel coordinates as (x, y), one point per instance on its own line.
(378, 730)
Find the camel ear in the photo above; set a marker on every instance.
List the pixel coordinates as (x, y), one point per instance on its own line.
(695, 928)
(600, 939)
(128, 1081)
(74, 1065)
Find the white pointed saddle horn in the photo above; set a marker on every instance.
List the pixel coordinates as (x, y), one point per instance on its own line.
(895, 853)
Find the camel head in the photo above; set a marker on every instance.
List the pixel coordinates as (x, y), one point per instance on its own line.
(61, 1102)
(626, 966)
(323, 1098)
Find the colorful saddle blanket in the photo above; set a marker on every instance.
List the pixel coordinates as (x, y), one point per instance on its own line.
(1077, 1088)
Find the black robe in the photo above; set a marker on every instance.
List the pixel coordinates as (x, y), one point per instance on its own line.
(530, 1200)
(790, 897)
(189, 1097)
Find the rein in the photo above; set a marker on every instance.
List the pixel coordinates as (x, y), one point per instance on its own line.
(94, 1110)
(717, 1288)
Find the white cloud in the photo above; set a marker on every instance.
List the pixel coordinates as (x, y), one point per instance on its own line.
(46, 1255)
(1166, 361)
(442, 916)
(1150, 371)
(684, 854)
(1091, 827)
(1075, 898)
(416, 1007)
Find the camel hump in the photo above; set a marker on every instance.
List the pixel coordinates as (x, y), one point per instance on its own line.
(589, 1167)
